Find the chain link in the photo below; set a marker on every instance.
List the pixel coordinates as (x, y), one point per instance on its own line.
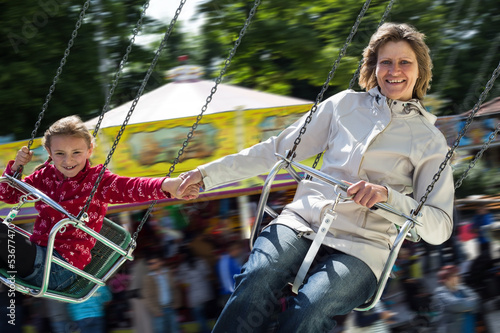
(52, 87)
(491, 137)
(118, 73)
(450, 153)
(319, 98)
(355, 76)
(382, 20)
(59, 71)
(218, 80)
(132, 108)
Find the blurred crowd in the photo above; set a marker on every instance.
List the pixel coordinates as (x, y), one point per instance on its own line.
(453, 287)
(187, 255)
(181, 277)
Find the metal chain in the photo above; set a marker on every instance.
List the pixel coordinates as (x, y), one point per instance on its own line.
(472, 163)
(118, 73)
(218, 80)
(356, 74)
(56, 78)
(329, 77)
(132, 108)
(455, 50)
(491, 137)
(449, 155)
(382, 20)
(446, 27)
(485, 64)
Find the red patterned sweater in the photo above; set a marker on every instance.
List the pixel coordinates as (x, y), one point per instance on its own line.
(72, 193)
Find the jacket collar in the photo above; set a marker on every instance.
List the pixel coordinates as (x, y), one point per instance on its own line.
(381, 100)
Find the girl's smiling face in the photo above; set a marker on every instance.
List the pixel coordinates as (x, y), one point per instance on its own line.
(69, 154)
(397, 70)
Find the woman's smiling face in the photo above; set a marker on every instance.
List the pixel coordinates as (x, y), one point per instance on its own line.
(397, 70)
(69, 154)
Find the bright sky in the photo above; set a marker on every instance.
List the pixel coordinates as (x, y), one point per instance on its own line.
(165, 10)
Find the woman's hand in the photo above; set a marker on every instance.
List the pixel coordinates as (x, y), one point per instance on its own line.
(190, 178)
(367, 194)
(171, 185)
(23, 157)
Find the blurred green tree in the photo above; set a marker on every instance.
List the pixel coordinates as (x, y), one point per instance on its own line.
(35, 36)
(292, 44)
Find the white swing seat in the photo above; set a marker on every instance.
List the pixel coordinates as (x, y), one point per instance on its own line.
(407, 231)
(113, 247)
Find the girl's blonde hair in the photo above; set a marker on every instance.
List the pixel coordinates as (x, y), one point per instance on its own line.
(72, 126)
(395, 32)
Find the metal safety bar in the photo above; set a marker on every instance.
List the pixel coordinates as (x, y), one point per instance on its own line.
(407, 231)
(30, 191)
(386, 272)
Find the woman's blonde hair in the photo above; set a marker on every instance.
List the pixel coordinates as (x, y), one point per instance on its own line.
(72, 126)
(395, 32)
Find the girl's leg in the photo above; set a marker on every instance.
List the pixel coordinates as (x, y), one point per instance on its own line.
(336, 285)
(17, 253)
(274, 261)
(59, 278)
(26, 259)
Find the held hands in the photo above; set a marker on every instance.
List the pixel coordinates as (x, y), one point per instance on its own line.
(367, 194)
(23, 157)
(171, 185)
(190, 178)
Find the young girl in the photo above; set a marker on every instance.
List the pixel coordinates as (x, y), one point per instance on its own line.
(69, 181)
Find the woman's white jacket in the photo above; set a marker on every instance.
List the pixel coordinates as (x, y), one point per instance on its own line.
(363, 138)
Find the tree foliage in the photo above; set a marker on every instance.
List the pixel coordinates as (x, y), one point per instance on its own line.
(291, 45)
(289, 49)
(36, 35)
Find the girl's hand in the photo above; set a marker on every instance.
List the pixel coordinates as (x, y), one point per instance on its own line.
(367, 194)
(190, 178)
(191, 192)
(23, 157)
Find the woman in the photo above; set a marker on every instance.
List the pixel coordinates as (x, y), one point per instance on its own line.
(455, 303)
(384, 143)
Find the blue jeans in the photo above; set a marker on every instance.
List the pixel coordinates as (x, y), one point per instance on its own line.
(167, 322)
(59, 278)
(336, 284)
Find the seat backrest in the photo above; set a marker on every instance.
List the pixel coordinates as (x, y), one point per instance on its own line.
(103, 258)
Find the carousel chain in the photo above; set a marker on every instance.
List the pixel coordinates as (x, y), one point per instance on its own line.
(485, 63)
(52, 87)
(491, 137)
(455, 51)
(118, 73)
(319, 97)
(218, 80)
(447, 26)
(450, 153)
(478, 156)
(356, 74)
(132, 107)
(382, 20)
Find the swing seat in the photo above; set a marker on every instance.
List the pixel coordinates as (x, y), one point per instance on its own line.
(112, 249)
(407, 231)
(103, 261)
